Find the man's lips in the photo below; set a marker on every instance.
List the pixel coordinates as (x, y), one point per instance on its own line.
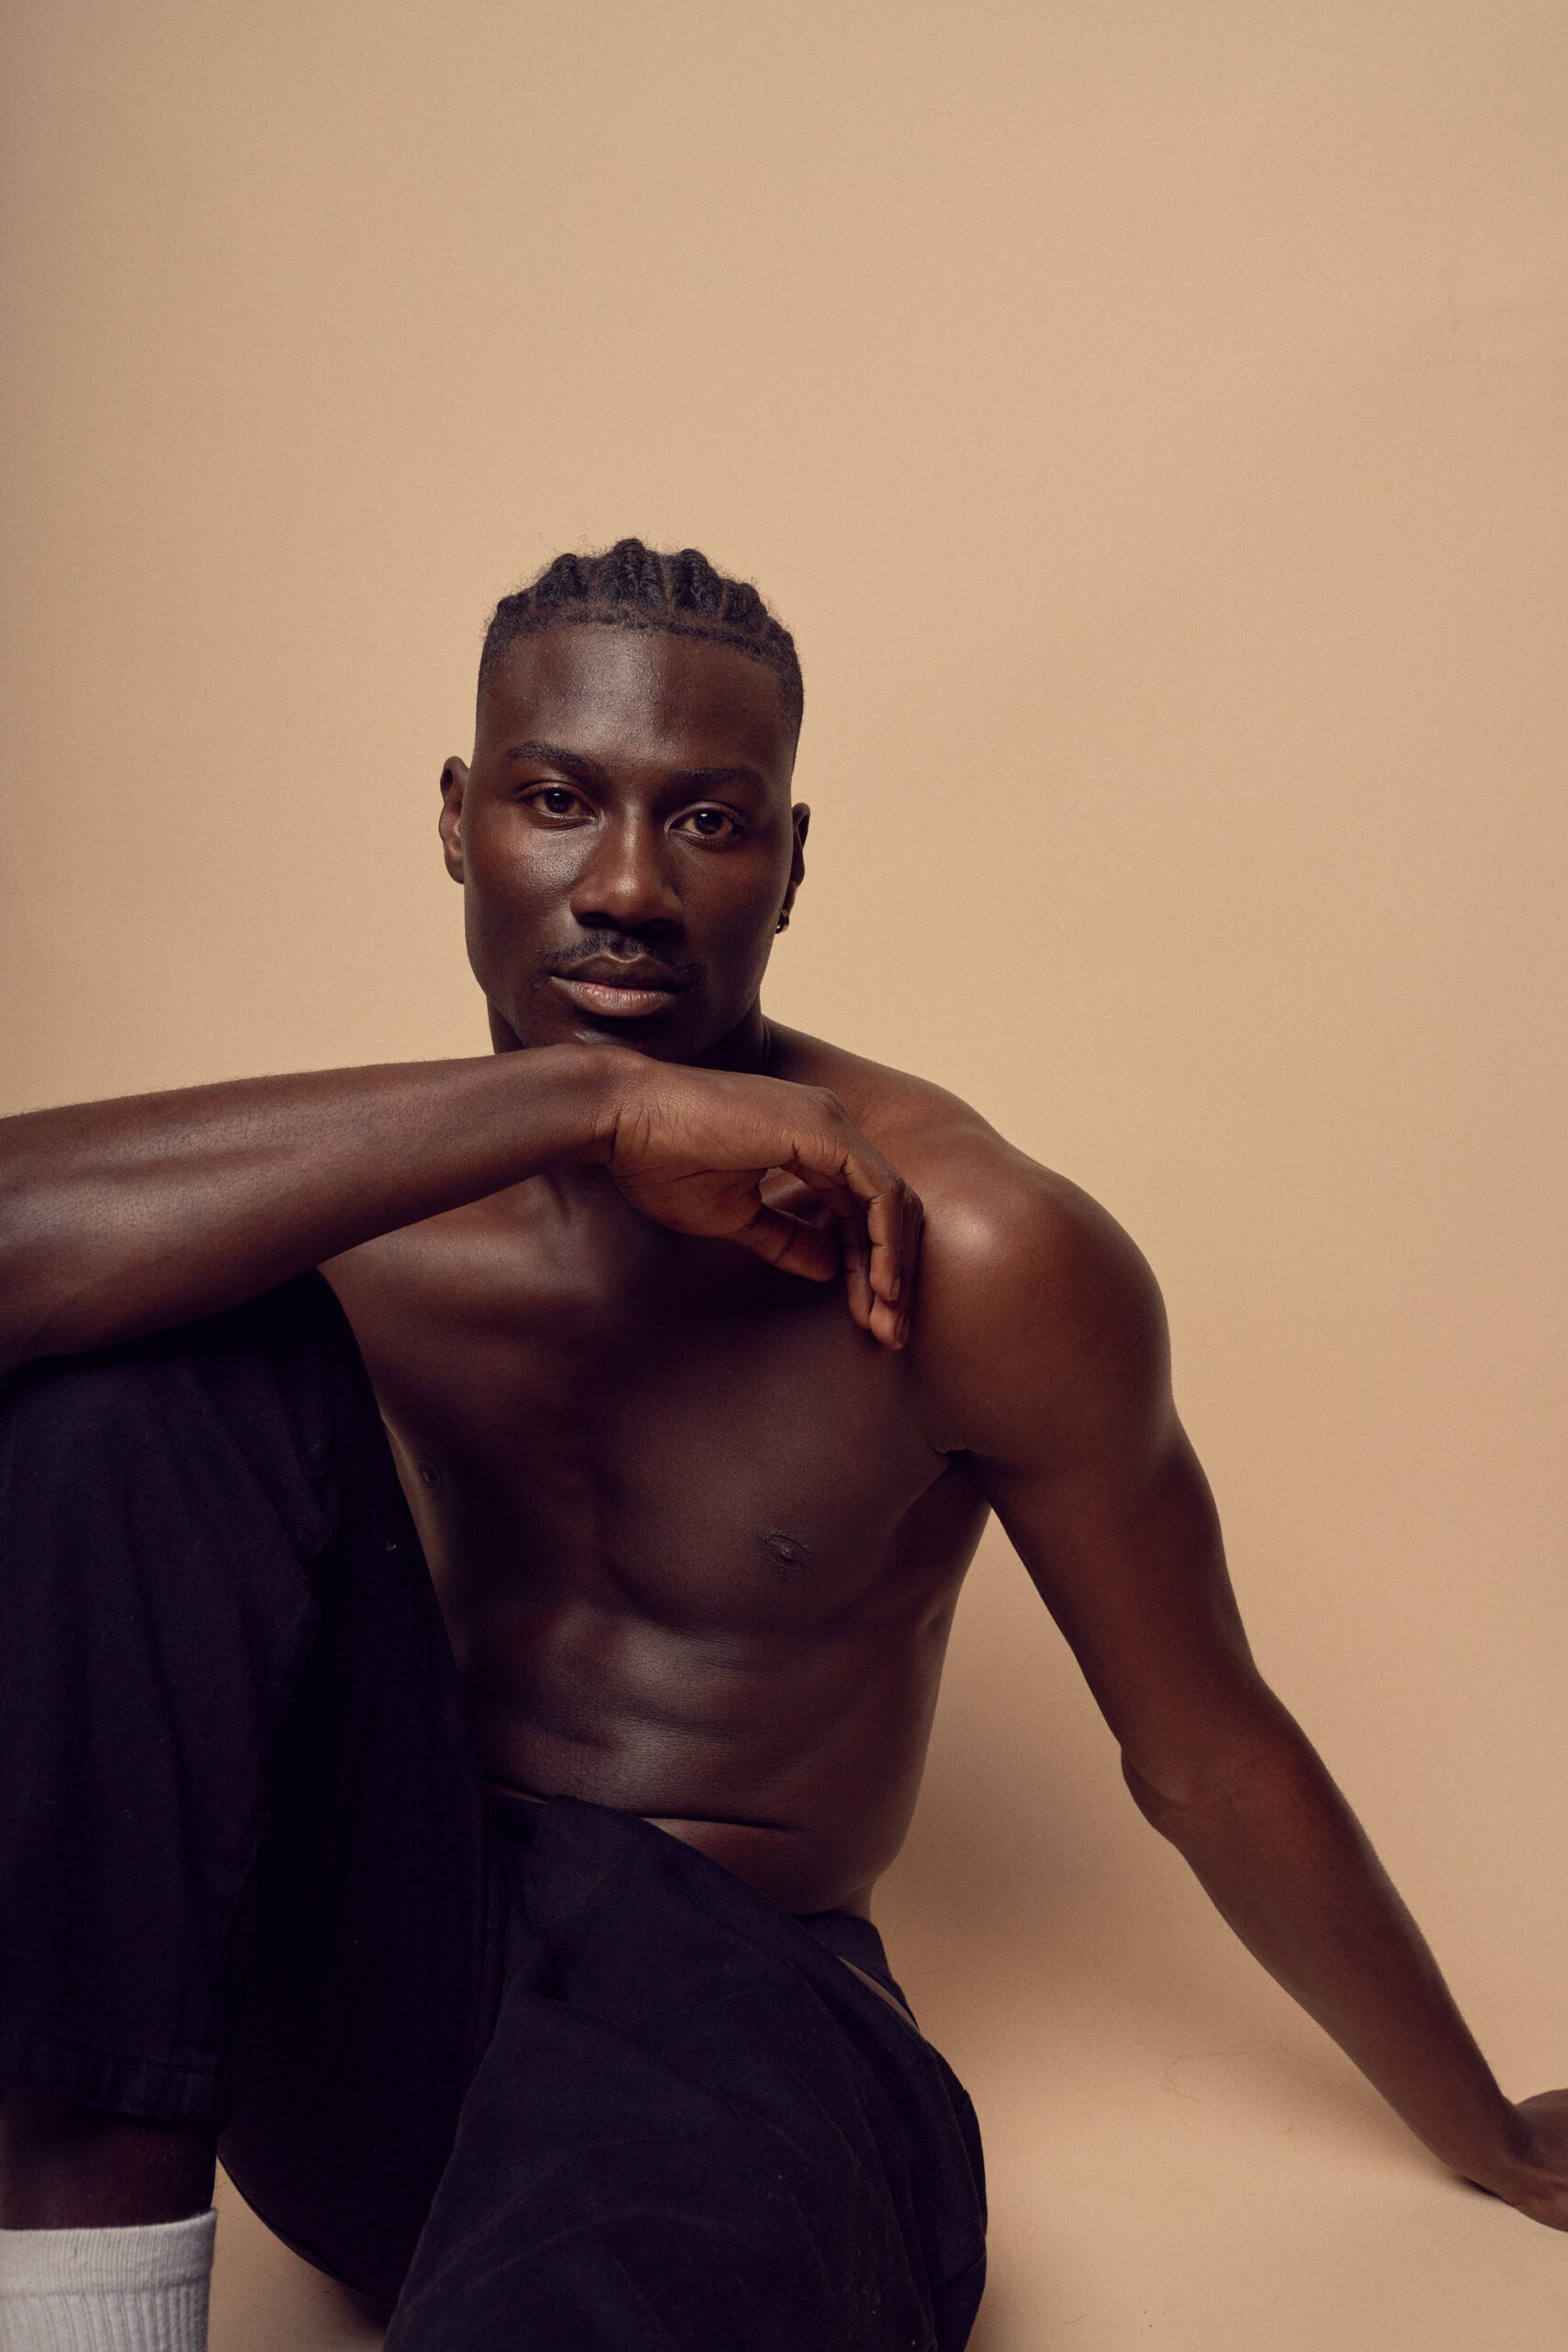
(609, 989)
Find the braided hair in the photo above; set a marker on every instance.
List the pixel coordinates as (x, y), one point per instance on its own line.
(631, 586)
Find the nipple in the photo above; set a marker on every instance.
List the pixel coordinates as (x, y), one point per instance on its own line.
(787, 1555)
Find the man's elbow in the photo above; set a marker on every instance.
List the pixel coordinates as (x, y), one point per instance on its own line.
(1261, 1759)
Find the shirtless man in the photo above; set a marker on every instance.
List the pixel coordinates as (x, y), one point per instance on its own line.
(697, 1526)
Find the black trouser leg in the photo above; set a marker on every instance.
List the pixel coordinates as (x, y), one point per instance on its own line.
(242, 1864)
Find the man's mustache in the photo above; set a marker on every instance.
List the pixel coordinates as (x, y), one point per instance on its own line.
(621, 948)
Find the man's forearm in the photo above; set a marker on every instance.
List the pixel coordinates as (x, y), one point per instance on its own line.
(122, 1217)
(1287, 1864)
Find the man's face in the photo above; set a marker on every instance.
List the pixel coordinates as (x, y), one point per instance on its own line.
(625, 839)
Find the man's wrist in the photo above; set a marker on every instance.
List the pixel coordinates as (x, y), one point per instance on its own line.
(1507, 2155)
(1528, 2160)
(588, 1089)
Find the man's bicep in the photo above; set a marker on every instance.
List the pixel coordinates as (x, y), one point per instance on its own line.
(1075, 1443)
(1134, 1572)
(1046, 1352)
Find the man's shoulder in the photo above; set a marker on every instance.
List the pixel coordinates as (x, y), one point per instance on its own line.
(988, 1206)
(1023, 1273)
(1039, 1328)
(921, 1127)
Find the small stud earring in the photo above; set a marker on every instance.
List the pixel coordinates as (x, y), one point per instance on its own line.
(783, 922)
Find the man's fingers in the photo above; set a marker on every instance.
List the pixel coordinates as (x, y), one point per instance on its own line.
(893, 1220)
(840, 1157)
(891, 1317)
(860, 1181)
(691, 1174)
(913, 1233)
(855, 1251)
(879, 1220)
(787, 1242)
(885, 1226)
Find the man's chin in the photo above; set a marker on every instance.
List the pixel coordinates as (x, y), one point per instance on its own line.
(690, 1030)
(664, 1037)
(638, 1035)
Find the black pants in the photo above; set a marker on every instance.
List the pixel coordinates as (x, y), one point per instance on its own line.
(545, 2075)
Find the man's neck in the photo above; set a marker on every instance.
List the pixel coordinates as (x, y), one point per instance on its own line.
(749, 1047)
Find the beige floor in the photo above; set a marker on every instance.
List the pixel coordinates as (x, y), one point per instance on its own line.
(265, 2300)
(1242, 2198)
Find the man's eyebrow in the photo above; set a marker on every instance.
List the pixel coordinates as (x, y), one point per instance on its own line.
(578, 765)
(572, 764)
(706, 779)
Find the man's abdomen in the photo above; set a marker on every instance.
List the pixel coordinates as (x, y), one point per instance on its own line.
(796, 1766)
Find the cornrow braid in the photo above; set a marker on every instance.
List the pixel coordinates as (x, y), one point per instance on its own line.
(631, 586)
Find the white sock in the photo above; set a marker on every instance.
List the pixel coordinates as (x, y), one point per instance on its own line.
(106, 2290)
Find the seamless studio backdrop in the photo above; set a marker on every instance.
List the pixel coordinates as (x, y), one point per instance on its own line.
(1151, 422)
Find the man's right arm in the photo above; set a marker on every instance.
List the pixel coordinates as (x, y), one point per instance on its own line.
(1044, 1338)
(124, 1217)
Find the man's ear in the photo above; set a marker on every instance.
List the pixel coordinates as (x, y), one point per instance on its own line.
(453, 783)
(801, 816)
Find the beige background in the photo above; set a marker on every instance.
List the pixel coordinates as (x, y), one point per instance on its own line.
(1150, 418)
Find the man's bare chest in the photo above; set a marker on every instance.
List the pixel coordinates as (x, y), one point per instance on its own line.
(689, 1437)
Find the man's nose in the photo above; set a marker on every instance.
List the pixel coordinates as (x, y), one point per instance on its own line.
(625, 884)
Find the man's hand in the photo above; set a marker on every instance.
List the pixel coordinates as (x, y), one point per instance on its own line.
(695, 1150)
(1535, 2178)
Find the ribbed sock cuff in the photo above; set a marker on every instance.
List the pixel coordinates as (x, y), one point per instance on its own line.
(143, 2290)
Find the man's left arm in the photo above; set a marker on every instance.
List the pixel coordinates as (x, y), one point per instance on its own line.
(1043, 1333)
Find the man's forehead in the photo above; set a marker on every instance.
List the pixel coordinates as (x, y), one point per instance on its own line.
(645, 693)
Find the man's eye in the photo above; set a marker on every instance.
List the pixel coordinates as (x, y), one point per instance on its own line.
(555, 800)
(710, 824)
